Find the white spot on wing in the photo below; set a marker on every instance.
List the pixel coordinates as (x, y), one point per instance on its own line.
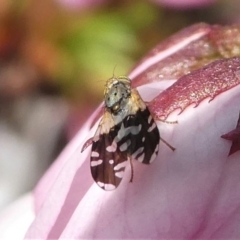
(109, 187)
(149, 119)
(112, 148)
(121, 133)
(152, 127)
(94, 154)
(119, 174)
(125, 131)
(137, 152)
(154, 155)
(141, 157)
(106, 186)
(96, 163)
(135, 130)
(120, 165)
(125, 145)
(111, 161)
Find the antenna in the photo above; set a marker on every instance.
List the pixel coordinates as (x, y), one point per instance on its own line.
(114, 71)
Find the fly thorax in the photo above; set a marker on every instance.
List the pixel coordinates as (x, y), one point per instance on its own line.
(117, 97)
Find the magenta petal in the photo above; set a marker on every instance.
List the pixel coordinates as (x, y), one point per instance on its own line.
(79, 4)
(184, 193)
(207, 82)
(190, 193)
(234, 137)
(185, 4)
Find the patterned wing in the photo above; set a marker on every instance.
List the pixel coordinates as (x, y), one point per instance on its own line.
(144, 144)
(107, 161)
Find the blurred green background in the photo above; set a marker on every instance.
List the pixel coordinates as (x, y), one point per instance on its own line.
(74, 49)
(55, 56)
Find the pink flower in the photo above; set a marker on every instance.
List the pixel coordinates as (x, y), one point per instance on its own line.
(190, 193)
(77, 4)
(185, 4)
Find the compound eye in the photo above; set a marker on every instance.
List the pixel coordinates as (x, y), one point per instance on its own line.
(116, 107)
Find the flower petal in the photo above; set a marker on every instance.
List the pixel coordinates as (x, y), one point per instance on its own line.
(16, 219)
(192, 192)
(185, 4)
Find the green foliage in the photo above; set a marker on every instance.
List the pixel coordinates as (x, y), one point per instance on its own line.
(95, 44)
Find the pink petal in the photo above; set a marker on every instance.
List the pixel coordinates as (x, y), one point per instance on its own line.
(234, 137)
(185, 4)
(79, 4)
(16, 219)
(190, 193)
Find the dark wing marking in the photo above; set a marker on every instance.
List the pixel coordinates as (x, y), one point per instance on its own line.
(107, 161)
(144, 145)
(136, 136)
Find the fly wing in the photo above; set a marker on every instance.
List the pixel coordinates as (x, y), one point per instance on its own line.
(142, 130)
(144, 144)
(107, 161)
